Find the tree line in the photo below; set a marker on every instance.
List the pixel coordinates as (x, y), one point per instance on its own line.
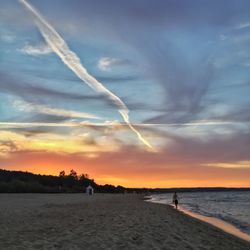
(25, 182)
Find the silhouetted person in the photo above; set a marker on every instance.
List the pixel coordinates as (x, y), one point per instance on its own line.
(175, 200)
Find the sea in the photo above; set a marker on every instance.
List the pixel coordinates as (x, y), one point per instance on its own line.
(233, 207)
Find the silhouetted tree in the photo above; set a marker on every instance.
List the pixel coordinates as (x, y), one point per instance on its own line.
(62, 174)
(82, 177)
(73, 173)
(61, 178)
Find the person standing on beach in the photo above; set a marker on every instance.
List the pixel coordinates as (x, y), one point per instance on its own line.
(175, 200)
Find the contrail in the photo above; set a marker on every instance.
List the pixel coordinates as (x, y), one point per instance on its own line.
(60, 47)
(4, 125)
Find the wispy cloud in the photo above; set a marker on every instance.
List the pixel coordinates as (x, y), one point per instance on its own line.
(238, 164)
(114, 124)
(106, 63)
(243, 25)
(7, 146)
(35, 50)
(8, 38)
(32, 92)
(43, 109)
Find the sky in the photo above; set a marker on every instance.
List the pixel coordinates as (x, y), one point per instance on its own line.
(179, 69)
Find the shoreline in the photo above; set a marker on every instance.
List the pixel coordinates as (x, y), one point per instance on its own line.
(223, 225)
(103, 221)
(216, 222)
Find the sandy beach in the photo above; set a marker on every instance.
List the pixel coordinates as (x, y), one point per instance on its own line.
(103, 221)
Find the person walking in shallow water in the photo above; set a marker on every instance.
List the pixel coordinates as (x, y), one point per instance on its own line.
(175, 200)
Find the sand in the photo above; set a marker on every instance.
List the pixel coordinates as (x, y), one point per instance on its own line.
(103, 221)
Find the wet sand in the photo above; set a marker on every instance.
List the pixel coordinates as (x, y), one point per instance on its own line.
(77, 221)
(220, 224)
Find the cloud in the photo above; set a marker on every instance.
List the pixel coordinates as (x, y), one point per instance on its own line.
(106, 63)
(43, 109)
(184, 83)
(118, 79)
(41, 124)
(34, 92)
(36, 130)
(177, 151)
(135, 167)
(36, 50)
(238, 164)
(236, 114)
(72, 61)
(184, 72)
(7, 146)
(163, 12)
(8, 38)
(243, 25)
(51, 124)
(177, 44)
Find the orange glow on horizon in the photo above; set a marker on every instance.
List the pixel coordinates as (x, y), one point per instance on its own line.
(112, 164)
(129, 179)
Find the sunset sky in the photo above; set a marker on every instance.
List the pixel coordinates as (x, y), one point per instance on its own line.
(182, 68)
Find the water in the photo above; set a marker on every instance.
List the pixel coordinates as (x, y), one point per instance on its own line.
(232, 207)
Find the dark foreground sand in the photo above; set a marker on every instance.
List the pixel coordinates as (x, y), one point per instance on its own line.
(75, 221)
